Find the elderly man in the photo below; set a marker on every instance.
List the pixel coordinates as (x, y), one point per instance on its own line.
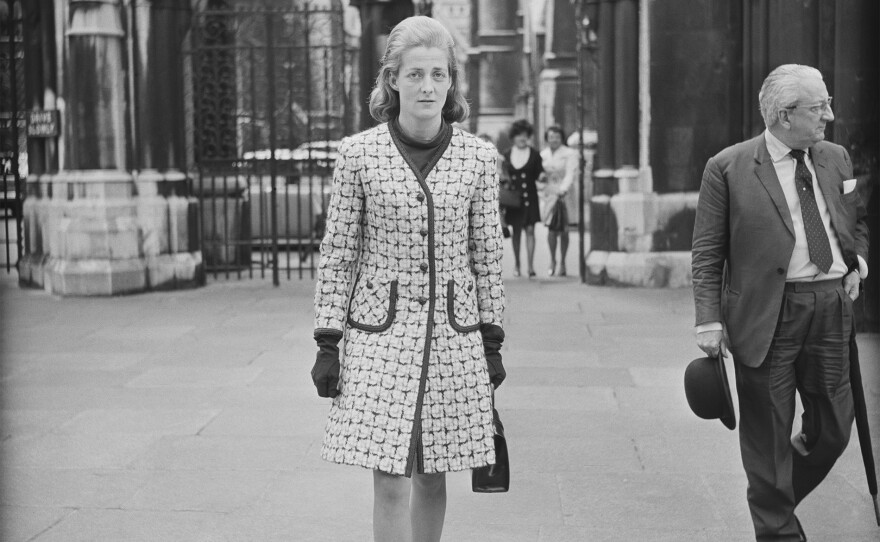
(780, 248)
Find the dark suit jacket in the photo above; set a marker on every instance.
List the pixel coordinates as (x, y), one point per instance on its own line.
(743, 224)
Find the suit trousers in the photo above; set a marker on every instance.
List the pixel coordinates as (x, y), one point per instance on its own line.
(809, 355)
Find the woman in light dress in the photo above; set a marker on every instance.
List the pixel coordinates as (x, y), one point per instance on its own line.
(561, 166)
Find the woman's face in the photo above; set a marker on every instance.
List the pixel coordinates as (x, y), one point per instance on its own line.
(423, 82)
(554, 139)
(521, 140)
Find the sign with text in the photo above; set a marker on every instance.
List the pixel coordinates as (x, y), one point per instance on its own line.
(43, 123)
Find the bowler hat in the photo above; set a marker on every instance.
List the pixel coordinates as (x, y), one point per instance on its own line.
(708, 392)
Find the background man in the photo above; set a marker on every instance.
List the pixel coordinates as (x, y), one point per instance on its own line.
(779, 251)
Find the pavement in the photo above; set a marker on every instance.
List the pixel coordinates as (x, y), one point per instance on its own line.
(190, 416)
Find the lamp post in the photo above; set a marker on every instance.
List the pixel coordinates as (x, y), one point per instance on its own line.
(585, 41)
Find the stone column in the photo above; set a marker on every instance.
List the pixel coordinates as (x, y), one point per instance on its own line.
(96, 86)
(497, 65)
(634, 238)
(167, 215)
(87, 230)
(603, 175)
(378, 17)
(558, 92)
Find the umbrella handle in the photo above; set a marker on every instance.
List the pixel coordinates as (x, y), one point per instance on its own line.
(876, 509)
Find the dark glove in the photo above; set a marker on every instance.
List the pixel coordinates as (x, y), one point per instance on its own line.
(493, 336)
(325, 373)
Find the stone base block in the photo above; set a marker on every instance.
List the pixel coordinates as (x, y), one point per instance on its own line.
(94, 277)
(84, 238)
(183, 224)
(30, 270)
(644, 222)
(646, 269)
(175, 271)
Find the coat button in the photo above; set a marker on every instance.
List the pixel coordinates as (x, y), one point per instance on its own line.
(526, 203)
(369, 284)
(424, 232)
(780, 271)
(525, 185)
(420, 197)
(423, 300)
(470, 287)
(423, 267)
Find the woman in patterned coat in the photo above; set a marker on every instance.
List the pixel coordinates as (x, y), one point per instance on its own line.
(410, 281)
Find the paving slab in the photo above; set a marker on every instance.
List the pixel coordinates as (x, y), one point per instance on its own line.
(80, 451)
(637, 500)
(70, 487)
(223, 452)
(148, 421)
(191, 416)
(26, 523)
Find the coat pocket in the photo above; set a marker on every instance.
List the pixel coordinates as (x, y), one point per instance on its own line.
(373, 304)
(852, 207)
(461, 306)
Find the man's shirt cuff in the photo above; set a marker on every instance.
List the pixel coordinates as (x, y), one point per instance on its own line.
(863, 268)
(710, 326)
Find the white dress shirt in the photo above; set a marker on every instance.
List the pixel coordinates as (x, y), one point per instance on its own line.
(800, 268)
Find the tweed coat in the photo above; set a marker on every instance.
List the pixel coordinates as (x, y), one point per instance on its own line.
(410, 267)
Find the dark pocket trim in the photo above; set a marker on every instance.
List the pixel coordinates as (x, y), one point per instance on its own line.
(450, 309)
(392, 311)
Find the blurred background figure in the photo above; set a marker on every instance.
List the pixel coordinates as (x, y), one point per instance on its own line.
(523, 165)
(561, 167)
(504, 184)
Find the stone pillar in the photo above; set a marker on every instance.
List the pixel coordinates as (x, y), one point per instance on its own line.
(636, 235)
(167, 214)
(88, 231)
(497, 65)
(558, 92)
(626, 84)
(603, 175)
(378, 17)
(96, 86)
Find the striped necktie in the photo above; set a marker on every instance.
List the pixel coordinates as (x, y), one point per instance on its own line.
(817, 237)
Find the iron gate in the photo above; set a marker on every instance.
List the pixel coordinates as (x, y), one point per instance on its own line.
(13, 135)
(269, 104)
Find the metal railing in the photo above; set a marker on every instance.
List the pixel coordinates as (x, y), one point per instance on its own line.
(269, 107)
(13, 136)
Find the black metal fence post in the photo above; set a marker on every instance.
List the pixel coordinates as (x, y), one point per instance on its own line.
(273, 165)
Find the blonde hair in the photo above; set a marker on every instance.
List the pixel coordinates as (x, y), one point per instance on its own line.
(780, 90)
(419, 31)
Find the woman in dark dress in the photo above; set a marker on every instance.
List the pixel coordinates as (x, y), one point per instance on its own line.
(524, 167)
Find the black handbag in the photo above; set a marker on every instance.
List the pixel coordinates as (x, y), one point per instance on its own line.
(559, 218)
(509, 198)
(494, 478)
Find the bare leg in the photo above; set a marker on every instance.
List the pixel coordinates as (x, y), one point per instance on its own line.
(551, 240)
(391, 517)
(530, 248)
(563, 250)
(428, 505)
(516, 239)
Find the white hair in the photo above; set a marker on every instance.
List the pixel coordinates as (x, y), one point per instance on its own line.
(780, 89)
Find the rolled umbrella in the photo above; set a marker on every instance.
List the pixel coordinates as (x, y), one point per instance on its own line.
(861, 409)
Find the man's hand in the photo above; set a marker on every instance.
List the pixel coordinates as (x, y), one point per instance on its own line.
(711, 342)
(851, 284)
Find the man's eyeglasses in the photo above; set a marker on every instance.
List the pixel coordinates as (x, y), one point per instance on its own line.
(815, 109)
